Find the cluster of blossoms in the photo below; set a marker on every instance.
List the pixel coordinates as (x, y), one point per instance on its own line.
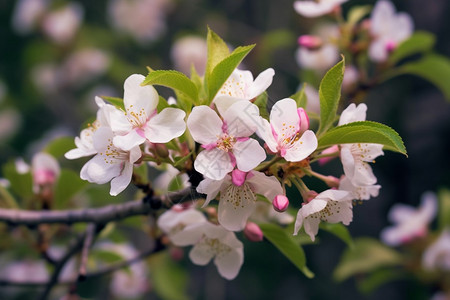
(233, 163)
(374, 38)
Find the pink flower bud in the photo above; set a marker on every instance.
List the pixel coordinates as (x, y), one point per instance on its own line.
(238, 177)
(332, 181)
(310, 41)
(390, 46)
(304, 119)
(330, 150)
(176, 253)
(253, 233)
(280, 203)
(310, 196)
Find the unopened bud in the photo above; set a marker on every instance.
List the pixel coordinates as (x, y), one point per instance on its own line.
(253, 233)
(329, 150)
(161, 150)
(390, 46)
(280, 203)
(310, 42)
(304, 119)
(310, 196)
(332, 181)
(176, 253)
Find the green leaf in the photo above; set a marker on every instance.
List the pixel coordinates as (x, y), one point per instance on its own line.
(117, 102)
(283, 242)
(338, 230)
(444, 208)
(174, 80)
(379, 277)
(58, 147)
(21, 184)
(169, 279)
(434, 68)
(217, 51)
(181, 160)
(300, 97)
(329, 94)
(162, 103)
(109, 257)
(261, 102)
(223, 70)
(6, 199)
(419, 42)
(363, 132)
(69, 184)
(356, 13)
(366, 256)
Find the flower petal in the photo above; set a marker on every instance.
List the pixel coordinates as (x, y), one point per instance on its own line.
(353, 113)
(166, 125)
(139, 99)
(204, 125)
(211, 188)
(249, 154)
(98, 171)
(284, 118)
(268, 186)
(235, 206)
(302, 148)
(241, 119)
(214, 164)
(264, 131)
(201, 254)
(261, 83)
(119, 183)
(128, 141)
(229, 263)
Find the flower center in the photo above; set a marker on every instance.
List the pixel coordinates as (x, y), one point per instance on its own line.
(112, 154)
(136, 118)
(239, 196)
(226, 142)
(215, 247)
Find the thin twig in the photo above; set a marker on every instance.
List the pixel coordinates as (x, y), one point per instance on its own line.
(100, 215)
(90, 232)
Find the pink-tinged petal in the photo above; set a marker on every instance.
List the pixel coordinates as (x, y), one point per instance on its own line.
(353, 113)
(284, 118)
(249, 154)
(139, 99)
(319, 59)
(302, 148)
(382, 15)
(204, 125)
(261, 83)
(230, 263)
(128, 141)
(429, 206)
(134, 154)
(400, 213)
(238, 177)
(211, 188)
(242, 119)
(171, 220)
(166, 125)
(304, 119)
(264, 131)
(268, 186)
(119, 183)
(253, 232)
(236, 204)
(98, 171)
(214, 164)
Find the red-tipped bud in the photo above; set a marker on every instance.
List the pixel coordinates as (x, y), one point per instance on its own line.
(280, 203)
(176, 253)
(253, 233)
(332, 181)
(161, 150)
(329, 150)
(310, 42)
(304, 119)
(390, 46)
(310, 196)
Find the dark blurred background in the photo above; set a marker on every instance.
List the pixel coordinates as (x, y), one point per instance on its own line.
(38, 103)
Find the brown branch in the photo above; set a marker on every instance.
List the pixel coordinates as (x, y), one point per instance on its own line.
(90, 232)
(100, 215)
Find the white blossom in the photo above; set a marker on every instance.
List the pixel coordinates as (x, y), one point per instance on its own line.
(190, 51)
(316, 8)
(331, 206)
(410, 223)
(388, 29)
(437, 256)
(62, 24)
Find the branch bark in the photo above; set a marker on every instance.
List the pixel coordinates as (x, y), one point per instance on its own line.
(100, 215)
